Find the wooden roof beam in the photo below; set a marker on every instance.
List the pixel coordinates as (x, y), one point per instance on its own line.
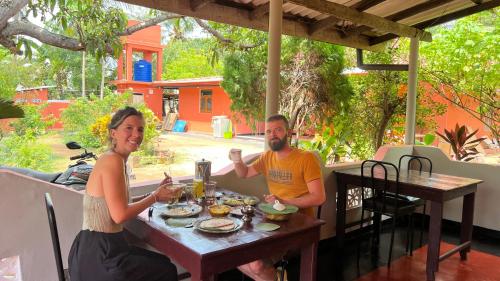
(259, 11)
(417, 9)
(362, 18)
(198, 4)
(446, 18)
(360, 7)
(322, 24)
(365, 4)
(241, 17)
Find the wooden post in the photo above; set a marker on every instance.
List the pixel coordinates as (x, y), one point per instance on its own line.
(411, 98)
(273, 57)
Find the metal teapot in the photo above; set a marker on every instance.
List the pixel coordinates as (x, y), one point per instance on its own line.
(202, 170)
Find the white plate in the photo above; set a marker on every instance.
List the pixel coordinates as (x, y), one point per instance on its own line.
(237, 225)
(182, 210)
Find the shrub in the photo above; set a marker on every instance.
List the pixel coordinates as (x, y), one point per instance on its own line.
(461, 143)
(83, 113)
(86, 121)
(100, 129)
(23, 151)
(32, 121)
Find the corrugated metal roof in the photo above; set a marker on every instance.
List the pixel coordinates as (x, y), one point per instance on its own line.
(354, 23)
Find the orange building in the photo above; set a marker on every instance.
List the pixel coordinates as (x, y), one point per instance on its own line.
(40, 96)
(197, 101)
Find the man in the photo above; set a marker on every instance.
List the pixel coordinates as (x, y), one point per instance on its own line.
(293, 177)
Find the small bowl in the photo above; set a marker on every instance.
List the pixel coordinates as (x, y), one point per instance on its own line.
(219, 210)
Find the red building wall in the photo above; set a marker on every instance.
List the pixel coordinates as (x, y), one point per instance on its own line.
(39, 97)
(189, 109)
(34, 96)
(455, 114)
(153, 95)
(54, 109)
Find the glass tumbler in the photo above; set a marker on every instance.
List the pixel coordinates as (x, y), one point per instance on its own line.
(179, 187)
(210, 191)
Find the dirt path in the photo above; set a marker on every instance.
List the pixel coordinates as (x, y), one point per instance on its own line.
(186, 147)
(189, 148)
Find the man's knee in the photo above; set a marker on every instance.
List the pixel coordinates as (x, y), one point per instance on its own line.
(257, 266)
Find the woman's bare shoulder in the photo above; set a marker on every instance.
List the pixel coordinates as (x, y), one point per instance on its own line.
(109, 160)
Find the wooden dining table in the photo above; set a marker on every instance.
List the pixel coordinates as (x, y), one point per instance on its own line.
(434, 187)
(204, 255)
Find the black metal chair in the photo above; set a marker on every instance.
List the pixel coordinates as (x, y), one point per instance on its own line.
(61, 272)
(417, 201)
(381, 201)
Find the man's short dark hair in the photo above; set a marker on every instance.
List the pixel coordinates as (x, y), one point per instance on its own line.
(278, 117)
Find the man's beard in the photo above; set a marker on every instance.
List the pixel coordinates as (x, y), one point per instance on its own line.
(277, 146)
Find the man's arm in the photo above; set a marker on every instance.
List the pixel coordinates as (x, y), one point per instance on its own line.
(241, 169)
(244, 171)
(315, 197)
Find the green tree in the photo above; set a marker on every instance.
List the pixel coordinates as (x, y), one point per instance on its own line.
(312, 88)
(16, 71)
(82, 113)
(32, 121)
(464, 58)
(62, 68)
(378, 108)
(188, 59)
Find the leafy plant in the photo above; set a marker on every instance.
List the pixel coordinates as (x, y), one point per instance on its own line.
(32, 121)
(427, 140)
(83, 113)
(24, 152)
(330, 145)
(461, 143)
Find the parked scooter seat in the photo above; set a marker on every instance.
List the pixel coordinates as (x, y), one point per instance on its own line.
(49, 177)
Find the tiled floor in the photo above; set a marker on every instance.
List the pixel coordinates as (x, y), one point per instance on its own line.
(483, 263)
(478, 267)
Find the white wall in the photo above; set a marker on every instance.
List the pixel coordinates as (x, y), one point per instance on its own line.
(25, 227)
(486, 211)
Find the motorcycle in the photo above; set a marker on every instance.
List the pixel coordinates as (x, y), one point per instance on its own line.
(76, 176)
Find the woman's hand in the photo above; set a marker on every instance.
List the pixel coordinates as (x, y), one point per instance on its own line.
(166, 193)
(167, 180)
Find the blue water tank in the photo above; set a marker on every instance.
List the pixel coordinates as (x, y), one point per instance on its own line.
(142, 71)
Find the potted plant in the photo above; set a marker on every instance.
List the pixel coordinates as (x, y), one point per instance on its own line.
(461, 143)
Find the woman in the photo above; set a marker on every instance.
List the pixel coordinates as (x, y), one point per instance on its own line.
(100, 251)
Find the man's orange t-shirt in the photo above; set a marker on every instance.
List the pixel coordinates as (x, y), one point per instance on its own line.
(287, 178)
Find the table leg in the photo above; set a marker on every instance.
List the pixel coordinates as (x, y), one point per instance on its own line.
(340, 228)
(467, 222)
(341, 211)
(197, 276)
(436, 216)
(377, 218)
(308, 256)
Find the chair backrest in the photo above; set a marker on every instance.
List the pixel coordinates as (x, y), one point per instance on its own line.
(415, 158)
(380, 193)
(55, 236)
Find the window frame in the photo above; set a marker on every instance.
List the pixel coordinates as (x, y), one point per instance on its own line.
(205, 99)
